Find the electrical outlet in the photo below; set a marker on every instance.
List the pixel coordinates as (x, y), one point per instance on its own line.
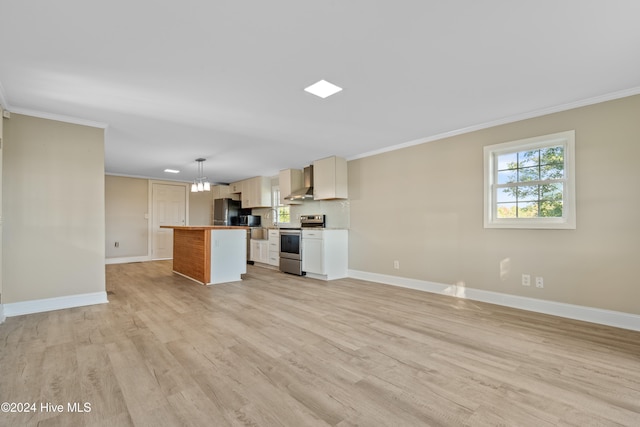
(539, 282)
(396, 264)
(526, 280)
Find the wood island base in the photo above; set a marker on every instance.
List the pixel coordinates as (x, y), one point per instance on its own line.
(210, 254)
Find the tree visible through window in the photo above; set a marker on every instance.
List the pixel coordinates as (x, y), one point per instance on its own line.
(530, 183)
(284, 215)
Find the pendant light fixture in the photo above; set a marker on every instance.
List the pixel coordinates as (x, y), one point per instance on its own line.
(200, 183)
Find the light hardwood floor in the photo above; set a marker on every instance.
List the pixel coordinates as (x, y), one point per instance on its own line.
(275, 349)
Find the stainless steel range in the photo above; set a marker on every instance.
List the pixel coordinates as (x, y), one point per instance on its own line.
(291, 243)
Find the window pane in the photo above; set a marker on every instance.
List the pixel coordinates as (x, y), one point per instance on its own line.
(508, 161)
(551, 208)
(529, 158)
(552, 171)
(507, 176)
(552, 161)
(528, 193)
(553, 155)
(528, 174)
(506, 210)
(506, 195)
(284, 215)
(551, 191)
(528, 210)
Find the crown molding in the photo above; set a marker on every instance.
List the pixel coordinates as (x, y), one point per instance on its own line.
(510, 119)
(50, 116)
(59, 117)
(150, 178)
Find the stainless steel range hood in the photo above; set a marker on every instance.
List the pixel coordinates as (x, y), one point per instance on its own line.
(305, 193)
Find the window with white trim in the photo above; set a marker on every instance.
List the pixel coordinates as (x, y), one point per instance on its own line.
(530, 183)
(283, 212)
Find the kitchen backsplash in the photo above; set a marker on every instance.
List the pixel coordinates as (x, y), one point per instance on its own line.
(337, 212)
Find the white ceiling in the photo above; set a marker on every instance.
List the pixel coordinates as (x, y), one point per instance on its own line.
(224, 80)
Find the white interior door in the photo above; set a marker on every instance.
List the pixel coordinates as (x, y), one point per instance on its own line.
(169, 208)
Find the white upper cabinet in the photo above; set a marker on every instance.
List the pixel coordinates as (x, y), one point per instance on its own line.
(256, 192)
(220, 191)
(289, 181)
(330, 178)
(236, 187)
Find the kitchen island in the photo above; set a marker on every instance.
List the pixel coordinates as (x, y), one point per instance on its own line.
(210, 254)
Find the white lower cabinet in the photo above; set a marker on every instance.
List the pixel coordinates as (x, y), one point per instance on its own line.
(312, 253)
(259, 251)
(325, 253)
(267, 251)
(274, 248)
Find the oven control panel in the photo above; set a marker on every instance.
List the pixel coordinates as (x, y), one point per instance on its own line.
(318, 221)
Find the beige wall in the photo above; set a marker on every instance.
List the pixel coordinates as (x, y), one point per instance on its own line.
(423, 206)
(200, 208)
(53, 198)
(126, 203)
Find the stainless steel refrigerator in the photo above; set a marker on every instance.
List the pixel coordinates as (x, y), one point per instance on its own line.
(226, 211)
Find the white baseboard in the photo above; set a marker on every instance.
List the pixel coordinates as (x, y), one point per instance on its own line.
(50, 304)
(570, 311)
(2, 317)
(325, 277)
(127, 260)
